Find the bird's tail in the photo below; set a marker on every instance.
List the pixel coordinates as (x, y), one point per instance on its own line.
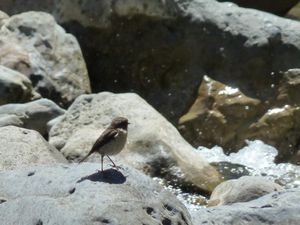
(85, 157)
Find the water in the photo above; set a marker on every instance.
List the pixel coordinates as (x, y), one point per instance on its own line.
(256, 159)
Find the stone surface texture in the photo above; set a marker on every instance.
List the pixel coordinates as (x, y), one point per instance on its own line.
(15, 87)
(36, 46)
(32, 115)
(278, 208)
(244, 189)
(21, 147)
(78, 194)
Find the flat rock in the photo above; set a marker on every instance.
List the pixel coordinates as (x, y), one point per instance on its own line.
(154, 145)
(78, 194)
(50, 58)
(21, 147)
(278, 208)
(244, 189)
(32, 115)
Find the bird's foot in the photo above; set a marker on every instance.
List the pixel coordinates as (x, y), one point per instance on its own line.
(117, 167)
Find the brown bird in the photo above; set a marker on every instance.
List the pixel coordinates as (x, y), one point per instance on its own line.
(111, 141)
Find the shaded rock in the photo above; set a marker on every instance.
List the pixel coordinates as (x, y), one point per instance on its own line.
(32, 115)
(21, 147)
(219, 115)
(288, 90)
(154, 145)
(278, 127)
(294, 13)
(174, 43)
(33, 44)
(78, 194)
(15, 87)
(244, 189)
(278, 208)
(279, 7)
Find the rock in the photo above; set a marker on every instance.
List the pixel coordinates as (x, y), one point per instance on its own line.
(174, 44)
(288, 86)
(279, 7)
(278, 127)
(154, 145)
(294, 13)
(278, 208)
(218, 116)
(32, 115)
(244, 189)
(15, 87)
(78, 194)
(21, 147)
(51, 58)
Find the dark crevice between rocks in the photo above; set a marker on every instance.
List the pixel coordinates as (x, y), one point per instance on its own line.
(2, 201)
(102, 220)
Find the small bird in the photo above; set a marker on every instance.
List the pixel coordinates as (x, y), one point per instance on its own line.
(111, 141)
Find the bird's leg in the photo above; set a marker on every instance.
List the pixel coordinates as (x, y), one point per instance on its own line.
(102, 156)
(114, 165)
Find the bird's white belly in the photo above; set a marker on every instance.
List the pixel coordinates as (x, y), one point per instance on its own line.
(116, 145)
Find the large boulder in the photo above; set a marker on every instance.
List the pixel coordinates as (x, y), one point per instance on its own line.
(278, 208)
(21, 147)
(36, 46)
(15, 87)
(32, 115)
(78, 194)
(154, 145)
(244, 189)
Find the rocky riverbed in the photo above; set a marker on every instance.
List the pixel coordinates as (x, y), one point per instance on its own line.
(211, 93)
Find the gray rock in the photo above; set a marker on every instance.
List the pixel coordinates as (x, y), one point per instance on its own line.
(78, 194)
(32, 115)
(21, 147)
(278, 208)
(15, 87)
(154, 145)
(244, 189)
(35, 45)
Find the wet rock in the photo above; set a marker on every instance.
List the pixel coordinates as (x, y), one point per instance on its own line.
(78, 194)
(278, 127)
(154, 145)
(15, 87)
(21, 147)
(244, 189)
(275, 208)
(33, 44)
(32, 115)
(219, 115)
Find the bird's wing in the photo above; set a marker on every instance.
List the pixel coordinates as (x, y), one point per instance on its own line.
(105, 137)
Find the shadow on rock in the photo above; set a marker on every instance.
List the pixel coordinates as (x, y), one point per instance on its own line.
(110, 176)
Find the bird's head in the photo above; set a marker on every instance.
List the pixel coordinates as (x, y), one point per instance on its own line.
(119, 122)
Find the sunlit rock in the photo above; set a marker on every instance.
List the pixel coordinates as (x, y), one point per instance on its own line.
(154, 145)
(218, 116)
(244, 189)
(36, 46)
